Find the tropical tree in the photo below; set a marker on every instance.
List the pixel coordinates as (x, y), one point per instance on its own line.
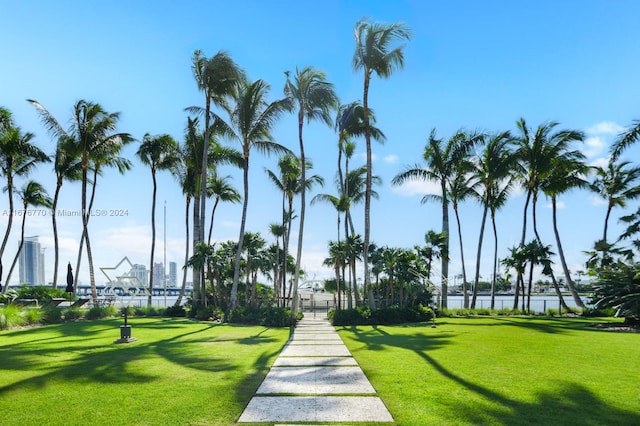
(375, 53)
(338, 260)
(493, 167)
(218, 78)
(32, 194)
(625, 139)
(253, 117)
(66, 166)
(159, 153)
(567, 172)
(314, 97)
(18, 157)
(617, 184)
(441, 159)
(221, 189)
(94, 136)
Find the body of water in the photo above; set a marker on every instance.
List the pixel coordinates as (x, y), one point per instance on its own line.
(539, 303)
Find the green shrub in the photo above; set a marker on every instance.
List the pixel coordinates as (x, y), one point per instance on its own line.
(41, 293)
(52, 316)
(101, 312)
(129, 310)
(175, 311)
(208, 313)
(73, 313)
(11, 316)
(363, 315)
(268, 316)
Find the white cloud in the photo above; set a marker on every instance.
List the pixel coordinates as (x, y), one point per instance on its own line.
(391, 159)
(605, 128)
(593, 146)
(415, 187)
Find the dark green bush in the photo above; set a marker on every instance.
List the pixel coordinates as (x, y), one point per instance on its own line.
(208, 313)
(70, 314)
(363, 315)
(41, 293)
(101, 312)
(176, 311)
(269, 316)
(52, 316)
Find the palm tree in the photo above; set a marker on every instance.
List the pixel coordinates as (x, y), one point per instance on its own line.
(18, 157)
(66, 165)
(218, 78)
(337, 260)
(277, 230)
(617, 184)
(314, 98)
(374, 54)
(94, 136)
(492, 169)
(440, 162)
(220, 189)
(568, 172)
(626, 138)
(32, 194)
(159, 153)
(253, 117)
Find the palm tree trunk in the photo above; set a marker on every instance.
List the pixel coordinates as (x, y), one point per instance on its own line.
(213, 213)
(10, 220)
(367, 193)
(444, 258)
(495, 260)
(197, 291)
(303, 191)
(186, 254)
(479, 255)
(563, 262)
(520, 277)
(236, 269)
(465, 290)
(54, 225)
(15, 259)
(153, 238)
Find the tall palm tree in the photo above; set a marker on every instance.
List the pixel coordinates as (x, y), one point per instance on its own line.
(221, 189)
(492, 169)
(441, 159)
(159, 153)
(218, 78)
(617, 184)
(314, 97)
(66, 166)
(375, 53)
(277, 230)
(186, 172)
(94, 135)
(568, 172)
(253, 117)
(32, 194)
(18, 157)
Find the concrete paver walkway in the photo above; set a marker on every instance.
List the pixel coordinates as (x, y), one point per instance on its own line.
(315, 379)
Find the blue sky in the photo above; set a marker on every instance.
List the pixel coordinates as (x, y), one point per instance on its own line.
(474, 65)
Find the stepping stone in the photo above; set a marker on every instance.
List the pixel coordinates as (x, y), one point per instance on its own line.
(316, 381)
(315, 350)
(308, 361)
(315, 409)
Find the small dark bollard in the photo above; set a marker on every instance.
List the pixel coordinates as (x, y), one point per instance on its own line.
(125, 332)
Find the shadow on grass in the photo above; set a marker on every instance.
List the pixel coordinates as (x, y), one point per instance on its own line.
(572, 404)
(77, 359)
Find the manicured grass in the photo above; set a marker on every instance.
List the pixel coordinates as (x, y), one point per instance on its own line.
(502, 371)
(178, 372)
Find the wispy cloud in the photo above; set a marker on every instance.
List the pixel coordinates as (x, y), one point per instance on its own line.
(414, 187)
(593, 146)
(391, 159)
(605, 128)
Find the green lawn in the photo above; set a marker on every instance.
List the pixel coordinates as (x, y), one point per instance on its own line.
(502, 371)
(179, 372)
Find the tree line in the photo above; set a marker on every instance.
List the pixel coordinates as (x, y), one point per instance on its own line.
(544, 160)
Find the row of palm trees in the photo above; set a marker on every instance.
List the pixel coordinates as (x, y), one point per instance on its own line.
(465, 165)
(543, 161)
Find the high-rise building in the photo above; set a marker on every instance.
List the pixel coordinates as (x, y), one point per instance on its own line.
(31, 262)
(141, 273)
(158, 275)
(173, 274)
